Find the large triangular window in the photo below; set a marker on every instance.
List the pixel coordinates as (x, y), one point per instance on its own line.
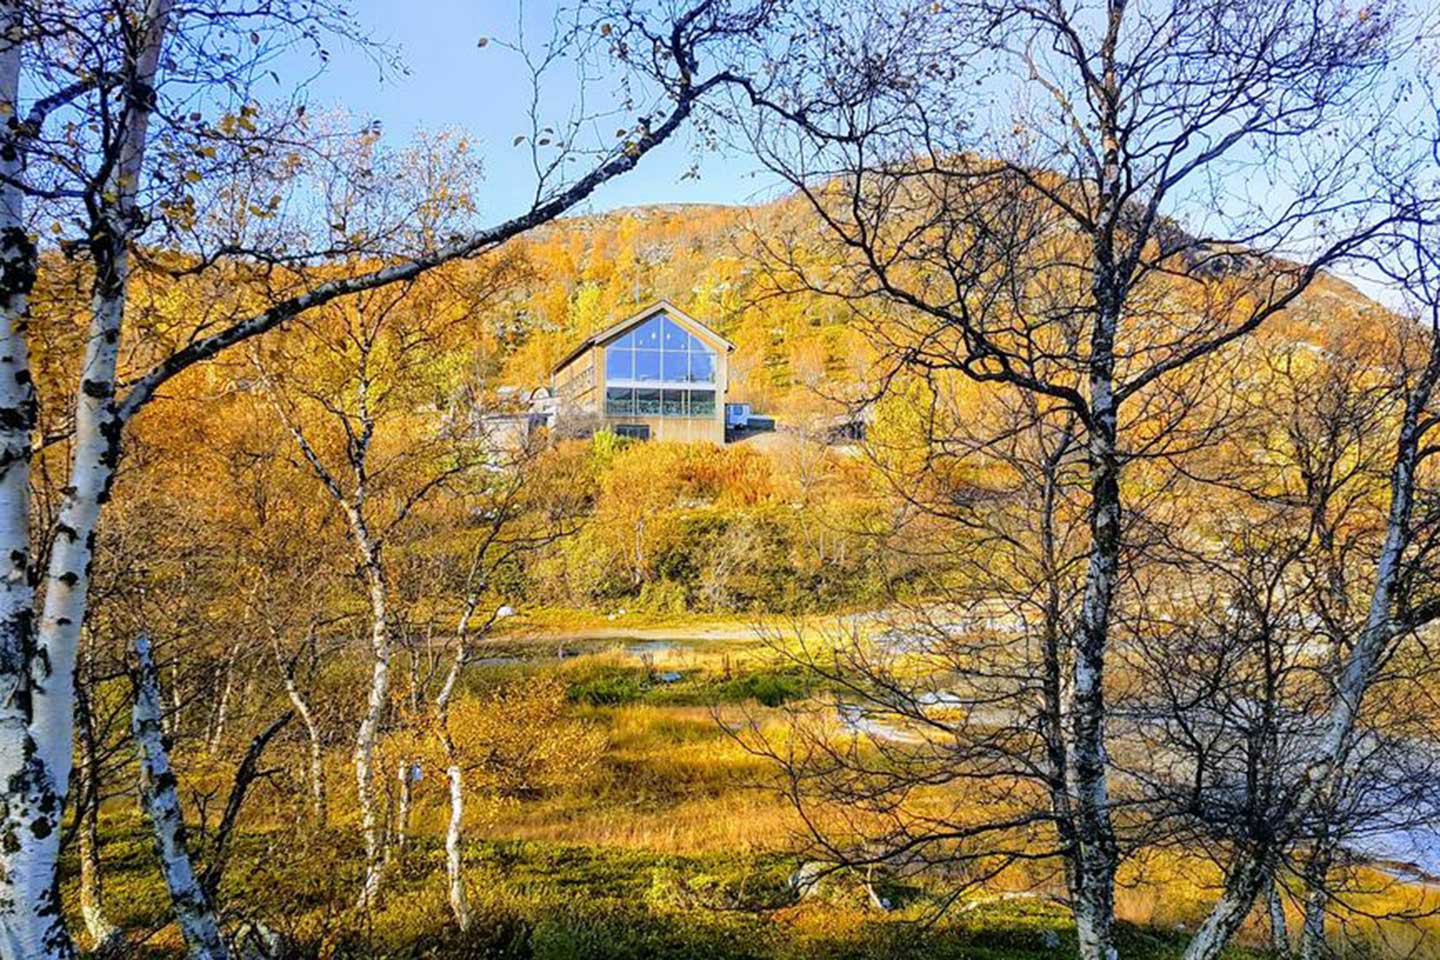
(659, 352)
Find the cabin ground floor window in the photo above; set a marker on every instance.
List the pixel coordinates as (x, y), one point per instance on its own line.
(635, 431)
(702, 403)
(652, 402)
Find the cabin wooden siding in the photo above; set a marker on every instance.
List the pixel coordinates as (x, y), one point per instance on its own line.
(577, 383)
(580, 383)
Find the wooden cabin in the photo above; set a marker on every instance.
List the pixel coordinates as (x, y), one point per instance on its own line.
(660, 374)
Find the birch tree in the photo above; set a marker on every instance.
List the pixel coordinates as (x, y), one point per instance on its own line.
(193, 907)
(378, 463)
(1401, 571)
(962, 688)
(109, 140)
(1058, 199)
(526, 507)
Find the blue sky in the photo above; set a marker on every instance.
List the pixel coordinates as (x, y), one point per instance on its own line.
(454, 83)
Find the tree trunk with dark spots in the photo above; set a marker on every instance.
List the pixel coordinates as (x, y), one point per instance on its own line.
(193, 911)
(104, 935)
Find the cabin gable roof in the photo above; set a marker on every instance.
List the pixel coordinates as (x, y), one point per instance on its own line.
(610, 333)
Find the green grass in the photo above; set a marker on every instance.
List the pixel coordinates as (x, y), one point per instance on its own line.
(602, 682)
(611, 687)
(771, 687)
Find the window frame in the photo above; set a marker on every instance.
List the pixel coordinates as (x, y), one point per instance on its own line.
(663, 377)
(628, 409)
(651, 404)
(690, 404)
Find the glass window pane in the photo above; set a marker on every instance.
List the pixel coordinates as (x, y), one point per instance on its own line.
(647, 335)
(625, 342)
(674, 403)
(619, 401)
(647, 364)
(702, 403)
(702, 367)
(697, 345)
(675, 367)
(647, 403)
(675, 335)
(619, 364)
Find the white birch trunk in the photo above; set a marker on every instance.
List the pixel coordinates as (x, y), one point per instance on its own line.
(1312, 933)
(368, 551)
(1279, 926)
(454, 848)
(402, 811)
(104, 935)
(1096, 854)
(315, 747)
(222, 707)
(455, 829)
(30, 921)
(175, 719)
(37, 764)
(97, 427)
(193, 911)
(367, 735)
(319, 804)
(1312, 930)
(1244, 883)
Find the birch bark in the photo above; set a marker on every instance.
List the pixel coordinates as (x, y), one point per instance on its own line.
(222, 706)
(1279, 926)
(454, 829)
(370, 560)
(29, 821)
(406, 775)
(454, 849)
(37, 704)
(316, 746)
(96, 444)
(1094, 834)
(1312, 925)
(368, 733)
(94, 450)
(1312, 933)
(193, 911)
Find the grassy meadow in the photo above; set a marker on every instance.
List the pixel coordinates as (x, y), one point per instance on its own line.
(669, 839)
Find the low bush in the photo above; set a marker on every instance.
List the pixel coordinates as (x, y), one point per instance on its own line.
(769, 687)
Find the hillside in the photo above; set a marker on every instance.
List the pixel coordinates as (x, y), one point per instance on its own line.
(795, 351)
(583, 272)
